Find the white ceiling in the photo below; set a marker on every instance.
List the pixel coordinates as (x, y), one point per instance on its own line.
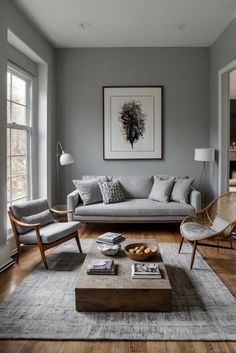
(130, 23)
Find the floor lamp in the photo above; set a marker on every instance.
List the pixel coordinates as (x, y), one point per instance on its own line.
(62, 156)
(204, 155)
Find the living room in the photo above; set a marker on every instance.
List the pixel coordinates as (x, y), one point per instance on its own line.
(75, 58)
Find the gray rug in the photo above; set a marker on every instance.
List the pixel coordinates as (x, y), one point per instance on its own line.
(43, 306)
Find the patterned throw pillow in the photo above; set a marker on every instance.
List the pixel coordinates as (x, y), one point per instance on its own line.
(111, 191)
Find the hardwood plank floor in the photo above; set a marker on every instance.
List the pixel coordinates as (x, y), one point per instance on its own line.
(224, 264)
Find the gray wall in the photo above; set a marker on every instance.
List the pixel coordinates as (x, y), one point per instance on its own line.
(81, 73)
(222, 52)
(12, 18)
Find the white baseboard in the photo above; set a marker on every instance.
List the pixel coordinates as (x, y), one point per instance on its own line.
(5, 257)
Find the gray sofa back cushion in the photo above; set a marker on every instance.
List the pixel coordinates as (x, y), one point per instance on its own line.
(135, 186)
(35, 211)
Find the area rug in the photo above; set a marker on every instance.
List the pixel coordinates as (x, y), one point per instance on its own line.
(43, 306)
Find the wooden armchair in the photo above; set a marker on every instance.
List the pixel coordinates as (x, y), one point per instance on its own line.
(33, 224)
(215, 222)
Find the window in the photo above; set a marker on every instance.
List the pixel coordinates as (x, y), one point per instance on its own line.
(19, 135)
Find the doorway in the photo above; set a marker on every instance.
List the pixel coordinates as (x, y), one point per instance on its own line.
(224, 172)
(232, 132)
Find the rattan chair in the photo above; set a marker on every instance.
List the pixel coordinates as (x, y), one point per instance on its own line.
(215, 222)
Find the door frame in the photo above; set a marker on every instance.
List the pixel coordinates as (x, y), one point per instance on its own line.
(224, 125)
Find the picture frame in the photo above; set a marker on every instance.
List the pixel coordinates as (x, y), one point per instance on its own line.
(132, 122)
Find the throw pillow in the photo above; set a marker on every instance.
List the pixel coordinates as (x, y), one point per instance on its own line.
(219, 224)
(89, 191)
(181, 189)
(43, 218)
(161, 189)
(111, 191)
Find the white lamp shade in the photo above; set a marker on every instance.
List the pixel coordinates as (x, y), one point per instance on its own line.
(204, 154)
(66, 159)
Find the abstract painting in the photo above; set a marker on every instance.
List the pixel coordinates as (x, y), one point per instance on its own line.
(133, 119)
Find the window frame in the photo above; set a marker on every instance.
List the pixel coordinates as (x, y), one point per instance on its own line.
(29, 127)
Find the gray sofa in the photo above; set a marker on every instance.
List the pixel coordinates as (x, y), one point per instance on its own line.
(137, 208)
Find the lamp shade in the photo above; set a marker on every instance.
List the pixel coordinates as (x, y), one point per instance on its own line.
(66, 159)
(204, 154)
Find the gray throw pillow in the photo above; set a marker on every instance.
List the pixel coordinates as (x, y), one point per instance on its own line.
(89, 191)
(181, 189)
(111, 191)
(42, 218)
(161, 189)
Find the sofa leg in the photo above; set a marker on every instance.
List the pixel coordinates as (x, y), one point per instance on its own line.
(180, 245)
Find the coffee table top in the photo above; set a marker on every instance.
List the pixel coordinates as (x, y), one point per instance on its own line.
(123, 277)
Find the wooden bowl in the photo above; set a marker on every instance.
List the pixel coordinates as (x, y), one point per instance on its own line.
(141, 257)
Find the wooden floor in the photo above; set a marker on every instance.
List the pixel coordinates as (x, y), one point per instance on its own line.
(224, 263)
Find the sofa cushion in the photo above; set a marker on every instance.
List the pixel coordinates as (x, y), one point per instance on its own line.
(135, 186)
(34, 208)
(50, 232)
(135, 207)
(89, 191)
(161, 189)
(111, 191)
(181, 190)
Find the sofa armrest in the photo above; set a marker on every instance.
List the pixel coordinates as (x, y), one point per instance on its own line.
(195, 199)
(72, 202)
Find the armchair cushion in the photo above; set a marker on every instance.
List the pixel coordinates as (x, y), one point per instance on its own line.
(196, 231)
(50, 232)
(35, 211)
(219, 224)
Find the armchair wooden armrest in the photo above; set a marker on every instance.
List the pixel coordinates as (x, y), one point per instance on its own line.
(60, 212)
(22, 224)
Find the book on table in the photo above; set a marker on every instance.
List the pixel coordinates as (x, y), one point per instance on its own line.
(101, 267)
(110, 238)
(145, 270)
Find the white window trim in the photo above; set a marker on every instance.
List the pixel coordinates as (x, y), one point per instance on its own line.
(31, 129)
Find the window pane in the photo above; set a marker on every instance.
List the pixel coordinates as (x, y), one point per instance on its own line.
(8, 189)
(18, 90)
(8, 142)
(8, 85)
(19, 187)
(18, 114)
(8, 112)
(19, 166)
(18, 142)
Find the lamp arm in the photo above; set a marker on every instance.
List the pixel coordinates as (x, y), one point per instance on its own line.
(59, 145)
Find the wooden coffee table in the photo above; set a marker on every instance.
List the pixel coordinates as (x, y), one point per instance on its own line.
(121, 292)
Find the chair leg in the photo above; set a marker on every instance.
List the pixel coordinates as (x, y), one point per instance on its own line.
(193, 254)
(43, 257)
(180, 245)
(18, 253)
(78, 242)
(231, 241)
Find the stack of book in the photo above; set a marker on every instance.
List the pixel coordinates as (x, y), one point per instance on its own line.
(145, 270)
(110, 238)
(101, 267)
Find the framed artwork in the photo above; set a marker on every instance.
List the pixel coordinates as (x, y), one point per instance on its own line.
(133, 122)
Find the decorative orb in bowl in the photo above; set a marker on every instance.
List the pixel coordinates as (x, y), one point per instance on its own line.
(141, 251)
(109, 250)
